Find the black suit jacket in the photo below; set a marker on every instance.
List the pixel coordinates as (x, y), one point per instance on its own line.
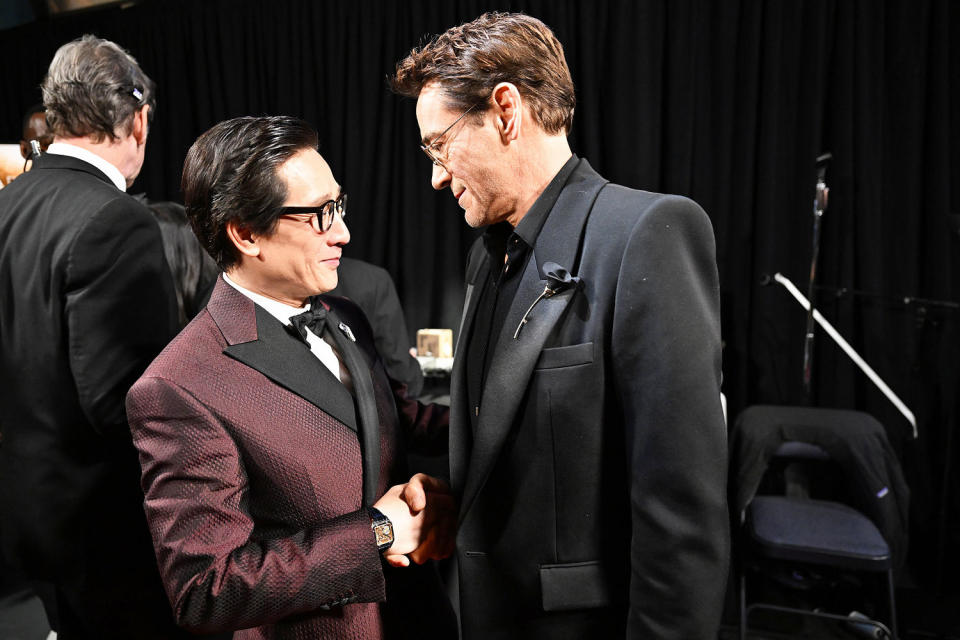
(593, 491)
(87, 302)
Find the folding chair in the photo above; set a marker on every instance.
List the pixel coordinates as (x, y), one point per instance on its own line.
(801, 530)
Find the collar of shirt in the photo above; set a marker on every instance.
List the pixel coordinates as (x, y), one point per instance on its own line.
(280, 311)
(529, 227)
(497, 237)
(283, 312)
(64, 149)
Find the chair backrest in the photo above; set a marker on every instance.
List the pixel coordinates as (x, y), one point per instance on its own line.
(872, 481)
(804, 470)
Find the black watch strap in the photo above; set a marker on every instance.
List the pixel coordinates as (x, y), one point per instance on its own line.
(382, 528)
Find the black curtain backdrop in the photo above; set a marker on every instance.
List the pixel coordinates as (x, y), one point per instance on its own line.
(726, 102)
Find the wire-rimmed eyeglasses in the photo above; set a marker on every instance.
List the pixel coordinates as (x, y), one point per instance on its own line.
(433, 149)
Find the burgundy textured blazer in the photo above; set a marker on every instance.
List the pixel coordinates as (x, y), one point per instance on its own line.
(255, 460)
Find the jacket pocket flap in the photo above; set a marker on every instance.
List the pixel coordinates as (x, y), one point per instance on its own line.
(576, 585)
(567, 356)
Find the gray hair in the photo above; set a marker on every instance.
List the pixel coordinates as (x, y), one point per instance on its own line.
(94, 88)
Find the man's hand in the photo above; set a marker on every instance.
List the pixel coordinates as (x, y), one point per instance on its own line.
(424, 517)
(433, 497)
(415, 491)
(407, 525)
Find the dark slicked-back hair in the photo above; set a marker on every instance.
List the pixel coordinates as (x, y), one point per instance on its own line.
(94, 88)
(470, 60)
(231, 173)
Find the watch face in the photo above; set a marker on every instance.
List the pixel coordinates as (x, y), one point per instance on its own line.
(384, 533)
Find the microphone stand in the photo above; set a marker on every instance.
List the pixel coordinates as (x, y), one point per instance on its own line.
(819, 206)
(919, 304)
(845, 346)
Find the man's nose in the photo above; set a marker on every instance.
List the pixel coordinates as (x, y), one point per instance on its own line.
(338, 233)
(440, 178)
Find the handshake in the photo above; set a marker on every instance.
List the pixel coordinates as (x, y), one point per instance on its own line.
(424, 517)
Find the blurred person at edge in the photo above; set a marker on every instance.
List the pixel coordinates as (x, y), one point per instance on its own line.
(88, 302)
(35, 128)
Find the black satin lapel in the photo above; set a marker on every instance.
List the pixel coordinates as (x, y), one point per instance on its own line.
(366, 405)
(510, 370)
(289, 363)
(513, 360)
(471, 298)
(461, 435)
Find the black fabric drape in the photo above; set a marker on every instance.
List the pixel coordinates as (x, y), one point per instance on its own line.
(726, 102)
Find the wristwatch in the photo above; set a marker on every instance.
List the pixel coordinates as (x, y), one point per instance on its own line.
(382, 529)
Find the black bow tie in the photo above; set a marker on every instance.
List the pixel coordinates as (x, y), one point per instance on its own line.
(315, 319)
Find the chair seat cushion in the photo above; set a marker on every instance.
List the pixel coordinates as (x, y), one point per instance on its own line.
(816, 531)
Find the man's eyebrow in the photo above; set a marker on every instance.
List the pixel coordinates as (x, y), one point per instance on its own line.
(430, 138)
(327, 198)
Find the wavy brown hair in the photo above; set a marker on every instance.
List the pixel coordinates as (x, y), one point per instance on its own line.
(470, 60)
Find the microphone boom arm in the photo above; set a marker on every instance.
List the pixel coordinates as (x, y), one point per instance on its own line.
(853, 355)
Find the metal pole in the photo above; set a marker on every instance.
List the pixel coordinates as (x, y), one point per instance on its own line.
(819, 206)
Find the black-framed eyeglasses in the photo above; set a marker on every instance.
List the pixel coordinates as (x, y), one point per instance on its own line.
(433, 149)
(322, 216)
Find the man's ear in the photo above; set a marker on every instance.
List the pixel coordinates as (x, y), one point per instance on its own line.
(508, 110)
(243, 239)
(140, 124)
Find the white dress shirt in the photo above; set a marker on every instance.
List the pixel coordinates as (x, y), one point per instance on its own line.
(283, 312)
(64, 149)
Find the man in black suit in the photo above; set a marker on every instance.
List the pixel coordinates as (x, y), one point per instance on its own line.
(371, 287)
(88, 302)
(587, 443)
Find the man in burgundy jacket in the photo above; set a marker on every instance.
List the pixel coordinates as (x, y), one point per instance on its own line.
(268, 430)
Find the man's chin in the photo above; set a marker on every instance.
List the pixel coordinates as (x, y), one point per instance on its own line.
(330, 284)
(472, 220)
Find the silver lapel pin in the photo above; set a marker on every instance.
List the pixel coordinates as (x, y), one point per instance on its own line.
(347, 332)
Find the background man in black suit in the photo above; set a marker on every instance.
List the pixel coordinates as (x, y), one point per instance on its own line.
(587, 443)
(372, 288)
(87, 303)
(193, 270)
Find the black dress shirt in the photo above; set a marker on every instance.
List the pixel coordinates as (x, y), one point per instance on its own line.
(509, 252)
